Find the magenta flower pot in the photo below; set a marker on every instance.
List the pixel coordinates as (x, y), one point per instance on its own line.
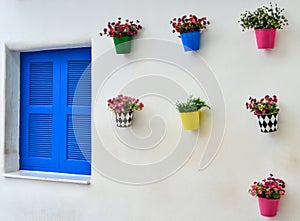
(265, 38)
(268, 207)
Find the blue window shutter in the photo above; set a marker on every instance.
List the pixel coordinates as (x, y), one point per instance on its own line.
(76, 148)
(55, 132)
(37, 112)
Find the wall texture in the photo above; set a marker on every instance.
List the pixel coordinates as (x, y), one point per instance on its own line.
(227, 63)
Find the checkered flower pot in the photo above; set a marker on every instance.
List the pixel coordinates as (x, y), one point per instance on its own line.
(268, 122)
(124, 119)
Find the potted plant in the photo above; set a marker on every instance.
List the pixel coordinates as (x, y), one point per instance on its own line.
(200, 104)
(269, 192)
(123, 107)
(266, 110)
(189, 28)
(190, 111)
(122, 34)
(264, 20)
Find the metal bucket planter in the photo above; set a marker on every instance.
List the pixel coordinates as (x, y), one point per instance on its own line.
(124, 119)
(268, 122)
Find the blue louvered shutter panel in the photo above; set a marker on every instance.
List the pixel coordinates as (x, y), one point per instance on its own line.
(55, 119)
(76, 72)
(37, 112)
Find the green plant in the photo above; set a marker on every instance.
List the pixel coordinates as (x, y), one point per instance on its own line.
(187, 106)
(266, 105)
(199, 103)
(269, 188)
(264, 18)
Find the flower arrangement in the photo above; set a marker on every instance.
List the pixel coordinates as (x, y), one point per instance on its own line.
(266, 105)
(191, 104)
(187, 106)
(119, 29)
(189, 23)
(264, 18)
(123, 103)
(269, 188)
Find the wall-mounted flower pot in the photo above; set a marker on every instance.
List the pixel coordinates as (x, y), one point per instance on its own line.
(265, 38)
(268, 122)
(124, 119)
(268, 207)
(123, 44)
(191, 40)
(190, 120)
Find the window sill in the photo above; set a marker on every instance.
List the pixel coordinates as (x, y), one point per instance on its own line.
(49, 176)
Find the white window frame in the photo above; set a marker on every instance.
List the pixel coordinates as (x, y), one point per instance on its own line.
(11, 116)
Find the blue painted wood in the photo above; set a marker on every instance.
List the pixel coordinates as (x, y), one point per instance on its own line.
(55, 119)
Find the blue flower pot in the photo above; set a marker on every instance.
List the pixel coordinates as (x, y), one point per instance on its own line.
(191, 40)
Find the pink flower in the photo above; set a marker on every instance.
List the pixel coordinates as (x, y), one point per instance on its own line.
(270, 188)
(254, 187)
(265, 105)
(124, 103)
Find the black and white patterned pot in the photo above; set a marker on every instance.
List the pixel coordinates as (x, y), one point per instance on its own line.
(268, 122)
(124, 119)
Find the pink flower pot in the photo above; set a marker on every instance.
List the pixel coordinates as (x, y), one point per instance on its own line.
(265, 38)
(268, 207)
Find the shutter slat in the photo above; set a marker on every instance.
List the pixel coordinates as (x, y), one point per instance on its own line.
(40, 135)
(79, 83)
(41, 83)
(79, 137)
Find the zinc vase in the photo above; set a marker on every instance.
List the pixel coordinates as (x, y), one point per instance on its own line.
(268, 122)
(124, 119)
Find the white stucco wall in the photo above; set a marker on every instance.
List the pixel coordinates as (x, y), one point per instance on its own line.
(218, 192)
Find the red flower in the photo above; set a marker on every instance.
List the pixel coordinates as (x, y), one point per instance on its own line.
(188, 24)
(117, 29)
(269, 188)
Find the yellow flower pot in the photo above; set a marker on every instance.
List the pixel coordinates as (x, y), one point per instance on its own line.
(190, 120)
